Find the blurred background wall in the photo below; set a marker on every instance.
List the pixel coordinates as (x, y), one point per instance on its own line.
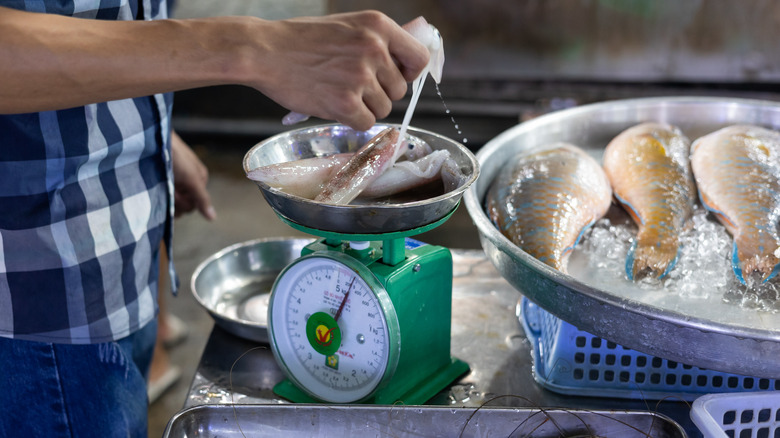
(637, 40)
(508, 60)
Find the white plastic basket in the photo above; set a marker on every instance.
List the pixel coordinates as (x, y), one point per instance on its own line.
(738, 415)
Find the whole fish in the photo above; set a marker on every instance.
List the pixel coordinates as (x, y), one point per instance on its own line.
(737, 171)
(649, 169)
(368, 163)
(543, 200)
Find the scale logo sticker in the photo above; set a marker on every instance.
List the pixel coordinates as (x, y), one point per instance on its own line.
(323, 334)
(332, 361)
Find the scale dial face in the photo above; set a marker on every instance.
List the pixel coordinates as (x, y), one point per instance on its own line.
(333, 328)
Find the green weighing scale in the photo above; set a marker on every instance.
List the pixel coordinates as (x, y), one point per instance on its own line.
(364, 315)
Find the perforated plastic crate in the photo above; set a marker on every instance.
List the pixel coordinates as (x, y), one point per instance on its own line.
(741, 415)
(570, 361)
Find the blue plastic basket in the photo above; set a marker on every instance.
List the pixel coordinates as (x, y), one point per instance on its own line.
(571, 361)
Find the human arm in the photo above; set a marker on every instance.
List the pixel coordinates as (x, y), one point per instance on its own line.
(343, 67)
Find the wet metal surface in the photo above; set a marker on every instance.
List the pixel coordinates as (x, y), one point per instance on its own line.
(486, 334)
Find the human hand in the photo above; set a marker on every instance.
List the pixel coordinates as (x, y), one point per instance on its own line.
(343, 67)
(189, 181)
(423, 32)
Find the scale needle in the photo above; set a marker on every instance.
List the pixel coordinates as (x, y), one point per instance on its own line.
(344, 301)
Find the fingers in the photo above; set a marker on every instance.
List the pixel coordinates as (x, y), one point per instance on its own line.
(190, 180)
(360, 118)
(412, 55)
(202, 201)
(379, 100)
(347, 67)
(404, 59)
(191, 196)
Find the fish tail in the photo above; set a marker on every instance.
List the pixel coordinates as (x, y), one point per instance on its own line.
(735, 264)
(767, 265)
(655, 259)
(772, 273)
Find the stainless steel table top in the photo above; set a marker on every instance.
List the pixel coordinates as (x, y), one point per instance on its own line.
(485, 333)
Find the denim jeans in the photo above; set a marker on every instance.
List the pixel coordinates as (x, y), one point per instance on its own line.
(62, 390)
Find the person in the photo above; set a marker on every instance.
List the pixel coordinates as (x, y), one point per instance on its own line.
(89, 177)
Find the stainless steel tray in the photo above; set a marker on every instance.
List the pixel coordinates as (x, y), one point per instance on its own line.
(227, 421)
(712, 334)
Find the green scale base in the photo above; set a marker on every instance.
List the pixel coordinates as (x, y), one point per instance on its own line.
(418, 279)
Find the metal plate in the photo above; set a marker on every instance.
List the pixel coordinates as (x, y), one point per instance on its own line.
(412, 421)
(370, 218)
(712, 334)
(234, 284)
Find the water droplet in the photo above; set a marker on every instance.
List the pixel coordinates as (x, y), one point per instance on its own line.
(447, 111)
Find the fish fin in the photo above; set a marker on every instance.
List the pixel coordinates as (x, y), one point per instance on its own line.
(671, 265)
(735, 264)
(567, 251)
(711, 207)
(630, 209)
(630, 261)
(765, 265)
(579, 236)
(772, 273)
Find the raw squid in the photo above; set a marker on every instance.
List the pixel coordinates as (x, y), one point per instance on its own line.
(368, 163)
(419, 165)
(737, 170)
(543, 200)
(651, 177)
(430, 37)
(305, 178)
(405, 175)
(452, 175)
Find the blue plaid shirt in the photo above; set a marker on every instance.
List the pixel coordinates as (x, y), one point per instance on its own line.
(85, 200)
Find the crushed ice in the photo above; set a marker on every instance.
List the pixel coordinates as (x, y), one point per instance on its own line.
(703, 270)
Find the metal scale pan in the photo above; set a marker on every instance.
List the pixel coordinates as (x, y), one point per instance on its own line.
(709, 334)
(388, 216)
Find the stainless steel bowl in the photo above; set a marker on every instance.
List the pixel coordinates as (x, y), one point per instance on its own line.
(234, 284)
(713, 334)
(371, 218)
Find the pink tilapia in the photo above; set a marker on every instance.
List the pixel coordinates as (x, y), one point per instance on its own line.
(651, 177)
(543, 200)
(737, 171)
(368, 163)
